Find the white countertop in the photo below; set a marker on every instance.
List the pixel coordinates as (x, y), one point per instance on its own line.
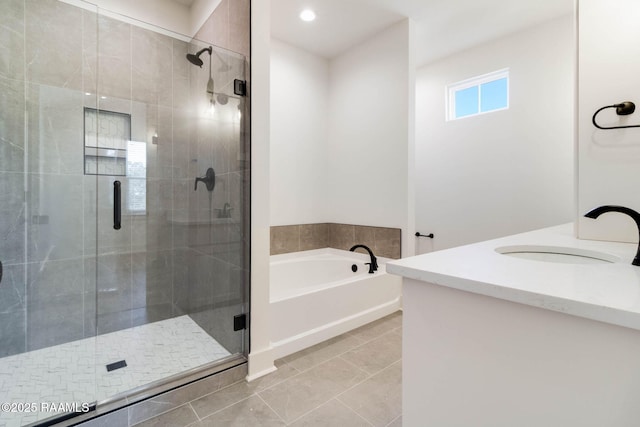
(605, 292)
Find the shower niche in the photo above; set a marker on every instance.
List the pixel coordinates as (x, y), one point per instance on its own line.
(107, 135)
(160, 292)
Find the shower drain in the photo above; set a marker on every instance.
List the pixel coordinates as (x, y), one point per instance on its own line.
(116, 365)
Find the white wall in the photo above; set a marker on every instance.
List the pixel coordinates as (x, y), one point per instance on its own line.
(341, 134)
(609, 160)
(299, 108)
(505, 172)
(368, 144)
(260, 357)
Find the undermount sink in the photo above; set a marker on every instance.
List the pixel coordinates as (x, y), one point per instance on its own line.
(557, 254)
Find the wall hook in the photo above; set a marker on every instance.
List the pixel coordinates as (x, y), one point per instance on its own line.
(622, 109)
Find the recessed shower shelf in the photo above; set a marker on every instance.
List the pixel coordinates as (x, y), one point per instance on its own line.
(186, 221)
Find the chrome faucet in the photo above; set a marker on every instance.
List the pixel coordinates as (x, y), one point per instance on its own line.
(595, 213)
(373, 265)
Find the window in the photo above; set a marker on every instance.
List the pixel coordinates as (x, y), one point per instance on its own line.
(478, 95)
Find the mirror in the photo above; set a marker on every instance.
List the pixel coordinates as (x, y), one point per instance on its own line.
(608, 160)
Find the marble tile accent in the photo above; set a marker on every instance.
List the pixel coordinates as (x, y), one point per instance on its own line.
(56, 217)
(12, 333)
(76, 371)
(55, 117)
(114, 58)
(217, 321)
(12, 289)
(151, 69)
(50, 322)
(384, 242)
(49, 37)
(12, 218)
(12, 39)
(396, 423)
(12, 105)
(90, 56)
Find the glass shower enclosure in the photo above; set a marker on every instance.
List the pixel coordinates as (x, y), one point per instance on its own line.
(124, 216)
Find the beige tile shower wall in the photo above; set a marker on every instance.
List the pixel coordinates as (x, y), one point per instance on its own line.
(228, 26)
(384, 242)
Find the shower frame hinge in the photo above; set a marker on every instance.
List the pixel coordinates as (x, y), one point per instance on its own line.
(240, 87)
(240, 322)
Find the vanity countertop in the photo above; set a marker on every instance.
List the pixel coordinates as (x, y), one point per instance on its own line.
(605, 292)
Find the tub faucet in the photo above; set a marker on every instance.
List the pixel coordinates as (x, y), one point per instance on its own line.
(595, 213)
(373, 265)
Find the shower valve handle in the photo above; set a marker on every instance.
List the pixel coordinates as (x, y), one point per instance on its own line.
(209, 180)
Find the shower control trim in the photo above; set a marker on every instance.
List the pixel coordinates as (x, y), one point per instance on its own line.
(209, 180)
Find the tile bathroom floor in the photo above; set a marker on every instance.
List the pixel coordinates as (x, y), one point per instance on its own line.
(354, 379)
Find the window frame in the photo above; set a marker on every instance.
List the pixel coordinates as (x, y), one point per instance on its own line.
(453, 88)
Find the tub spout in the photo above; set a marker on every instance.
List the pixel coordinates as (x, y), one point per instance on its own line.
(595, 213)
(373, 265)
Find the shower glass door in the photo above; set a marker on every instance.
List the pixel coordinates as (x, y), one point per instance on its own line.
(167, 151)
(97, 303)
(47, 211)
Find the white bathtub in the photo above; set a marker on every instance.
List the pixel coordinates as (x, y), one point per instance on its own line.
(316, 296)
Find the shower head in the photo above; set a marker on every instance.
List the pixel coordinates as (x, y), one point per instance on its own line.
(195, 59)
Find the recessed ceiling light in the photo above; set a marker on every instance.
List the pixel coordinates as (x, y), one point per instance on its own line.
(307, 15)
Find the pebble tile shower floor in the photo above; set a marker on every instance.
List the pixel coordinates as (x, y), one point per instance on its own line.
(354, 379)
(75, 371)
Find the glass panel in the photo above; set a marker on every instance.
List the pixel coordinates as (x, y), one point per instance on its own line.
(77, 113)
(493, 95)
(466, 101)
(172, 276)
(47, 292)
(216, 239)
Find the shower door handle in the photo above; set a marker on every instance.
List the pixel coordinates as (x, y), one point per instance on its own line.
(117, 205)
